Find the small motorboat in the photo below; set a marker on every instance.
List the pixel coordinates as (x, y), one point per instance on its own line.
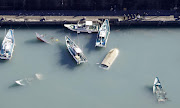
(103, 34)
(109, 59)
(42, 38)
(8, 44)
(28, 80)
(158, 91)
(75, 51)
(84, 26)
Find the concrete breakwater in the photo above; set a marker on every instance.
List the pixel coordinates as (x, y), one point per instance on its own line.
(114, 20)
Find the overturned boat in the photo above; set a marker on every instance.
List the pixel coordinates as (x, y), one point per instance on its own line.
(109, 59)
(103, 34)
(41, 38)
(158, 90)
(84, 26)
(8, 44)
(28, 80)
(75, 51)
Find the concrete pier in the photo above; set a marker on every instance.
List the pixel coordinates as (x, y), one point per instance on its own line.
(114, 20)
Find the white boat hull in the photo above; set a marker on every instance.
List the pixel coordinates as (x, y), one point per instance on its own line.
(82, 58)
(79, 30)
(103, 34)
(158, 91)
(109, 59)
(8, 45)
(41, 38)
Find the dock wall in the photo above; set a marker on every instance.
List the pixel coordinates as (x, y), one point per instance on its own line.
(114, 20)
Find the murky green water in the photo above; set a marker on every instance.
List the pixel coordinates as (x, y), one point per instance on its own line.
(144, 54)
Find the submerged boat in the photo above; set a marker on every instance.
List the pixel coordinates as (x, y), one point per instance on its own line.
(158, 90)
(28, 80)
(109, 59)
(103, 34)
(41, 38)
(85, 26)
(75, 51)
(8, 44)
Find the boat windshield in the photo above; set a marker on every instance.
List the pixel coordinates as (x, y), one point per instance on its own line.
(102, 34)
(78, 50)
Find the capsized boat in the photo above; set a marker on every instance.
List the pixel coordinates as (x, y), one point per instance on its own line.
(28, 80)
(41, 38)
(103, 34)
(8, 44)
(84, 26)
(75, 51)
(109, 59)
(158, 90)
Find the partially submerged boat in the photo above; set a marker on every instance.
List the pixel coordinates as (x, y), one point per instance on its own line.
(84, 26)
(28, 80)
(158, 90)
(42, 38)
(75, 51)
(109, 59)
(103, 34)
(8, 44)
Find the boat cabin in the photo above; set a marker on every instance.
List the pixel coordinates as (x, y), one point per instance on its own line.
(102, 34)
(78, 51)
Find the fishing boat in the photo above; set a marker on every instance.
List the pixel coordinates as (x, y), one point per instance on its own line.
(8, 44)
(41, 38)
(158, 90)
(75, 51)
(84, 26)
(109, 59)
(28, 80)
(103, 34)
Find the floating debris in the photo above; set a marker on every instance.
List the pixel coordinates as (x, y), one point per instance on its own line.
(28, 80)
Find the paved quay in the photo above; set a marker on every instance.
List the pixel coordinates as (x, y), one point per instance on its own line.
(116, 20)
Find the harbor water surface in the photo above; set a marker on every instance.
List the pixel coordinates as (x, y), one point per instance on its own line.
(145, 52)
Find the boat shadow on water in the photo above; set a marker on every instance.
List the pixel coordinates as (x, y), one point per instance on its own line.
(14, 86)
(149, 89)
(3, 61)
(66, 58)
(34, 41)
(91, 44)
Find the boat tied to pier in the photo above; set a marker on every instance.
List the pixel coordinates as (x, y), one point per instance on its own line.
(84, 26)
(158, 91)
(42, 38)
(75, 51)
(8, 44)
(109, 59)
(25, 81)
(103, 34)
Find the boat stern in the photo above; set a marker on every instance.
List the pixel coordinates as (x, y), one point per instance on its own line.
(99, 44)
(5, 57)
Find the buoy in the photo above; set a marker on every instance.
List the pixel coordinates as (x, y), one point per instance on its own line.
(57, 40)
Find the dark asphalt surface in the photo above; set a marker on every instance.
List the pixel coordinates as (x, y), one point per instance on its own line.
(87, 13)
